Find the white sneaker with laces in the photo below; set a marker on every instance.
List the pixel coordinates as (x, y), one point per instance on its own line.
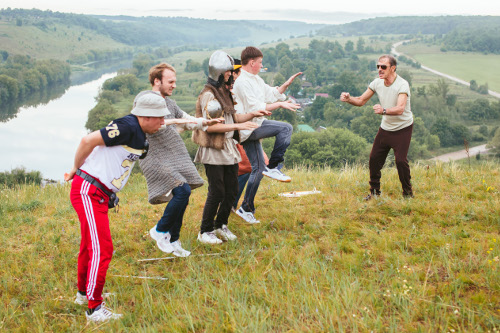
(225, 234)
(275, 173)
(178, 250)
(247, 216)
(81, 299)
(209, 237)
(162, 240)
(102, 314)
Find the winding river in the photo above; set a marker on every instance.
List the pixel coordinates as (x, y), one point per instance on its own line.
(45, 137)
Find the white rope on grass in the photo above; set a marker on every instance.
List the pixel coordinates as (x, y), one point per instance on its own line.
(140, 277)
(170, 258)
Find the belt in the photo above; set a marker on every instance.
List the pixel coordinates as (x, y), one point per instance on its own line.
(93, 181)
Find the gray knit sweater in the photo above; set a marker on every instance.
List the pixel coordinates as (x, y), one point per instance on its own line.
(167, 164)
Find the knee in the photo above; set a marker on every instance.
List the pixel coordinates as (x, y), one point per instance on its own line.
(184, 192)
(401, 162)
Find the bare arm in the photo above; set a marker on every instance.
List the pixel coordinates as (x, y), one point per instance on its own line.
(288, 82)
(222, 128)
(357, 101)
(285, 105)
(243, 117)
(394, 111)
(86, 146)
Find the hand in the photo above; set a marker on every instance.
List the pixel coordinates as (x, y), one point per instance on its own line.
(289, 105)
(344, 97)
(213, 121)
(290, 80)
(69, 175)
(378, 109)
(261, 113)
(247, 125)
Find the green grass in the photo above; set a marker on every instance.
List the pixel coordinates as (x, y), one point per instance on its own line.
(483, 68)
(57, 42)
(323, 263)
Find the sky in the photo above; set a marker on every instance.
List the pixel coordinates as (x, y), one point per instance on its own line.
(311, 11)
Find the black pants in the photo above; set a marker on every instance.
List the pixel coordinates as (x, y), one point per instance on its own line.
(399, 141)
(222, 191)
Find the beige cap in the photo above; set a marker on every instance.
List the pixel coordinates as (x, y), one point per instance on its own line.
(150, 105)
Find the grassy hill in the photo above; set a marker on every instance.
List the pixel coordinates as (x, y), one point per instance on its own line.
(325, 262)
(57, 41)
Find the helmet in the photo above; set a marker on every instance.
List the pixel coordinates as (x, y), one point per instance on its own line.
(219, 63)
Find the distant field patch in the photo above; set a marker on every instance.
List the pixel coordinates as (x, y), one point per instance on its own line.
(484, 68)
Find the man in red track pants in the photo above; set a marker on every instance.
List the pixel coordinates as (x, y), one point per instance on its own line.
(103, 162)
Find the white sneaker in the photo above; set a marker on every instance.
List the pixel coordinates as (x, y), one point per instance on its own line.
(247, 216)
(178, 250)
(275, 173)
(81, 299)
(102, 314)
(225, 234)
(208, 237)
(162, 240)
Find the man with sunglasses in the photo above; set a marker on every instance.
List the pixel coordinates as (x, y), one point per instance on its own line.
(103, 162)
(396, 127)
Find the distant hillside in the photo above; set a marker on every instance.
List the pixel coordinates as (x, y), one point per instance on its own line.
(47, 34)
(410, 25)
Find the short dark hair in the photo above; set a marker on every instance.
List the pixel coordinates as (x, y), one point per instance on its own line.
(156, 72)
(249, 53)
(392, 60)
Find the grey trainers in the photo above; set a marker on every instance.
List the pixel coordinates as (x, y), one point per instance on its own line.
(102, 314)
(225, 234)
(208, 237)
(247, 216)
(81, 299)
(178, 250)
(162, 240)
(275, 173)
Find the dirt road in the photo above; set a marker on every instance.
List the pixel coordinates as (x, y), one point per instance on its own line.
(458, 155)
(456, 79)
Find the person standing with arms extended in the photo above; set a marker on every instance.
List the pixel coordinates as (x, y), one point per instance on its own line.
(397, 123)
(217, 149)
(170, 173)
(253, 94)
(103, 162)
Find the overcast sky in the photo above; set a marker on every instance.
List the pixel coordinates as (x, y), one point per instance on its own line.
(312, 11)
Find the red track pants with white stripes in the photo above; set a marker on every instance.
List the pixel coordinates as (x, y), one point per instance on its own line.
(96, 247)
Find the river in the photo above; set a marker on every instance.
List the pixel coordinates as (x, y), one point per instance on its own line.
(45, 137)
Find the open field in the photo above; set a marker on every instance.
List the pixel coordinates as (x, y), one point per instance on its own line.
(329, 262)
(484, 68)
(57, 41)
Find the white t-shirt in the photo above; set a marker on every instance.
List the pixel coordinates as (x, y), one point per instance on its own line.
(251, 93)
(124, 144)
(388, 97)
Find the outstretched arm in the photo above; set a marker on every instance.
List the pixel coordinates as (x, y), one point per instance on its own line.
(288, 82)
(357, 101)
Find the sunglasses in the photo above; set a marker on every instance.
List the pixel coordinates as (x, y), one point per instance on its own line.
(384, 67)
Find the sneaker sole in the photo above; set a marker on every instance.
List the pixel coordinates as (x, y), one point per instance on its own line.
(280, 180)
(241, 217)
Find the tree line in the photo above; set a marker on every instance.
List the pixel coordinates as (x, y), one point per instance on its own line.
(439, 119)
(21, 76)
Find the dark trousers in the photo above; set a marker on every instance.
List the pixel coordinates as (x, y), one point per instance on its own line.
(399, 141)
(171, 221)
(242, 181)
(222, 190)
(269, 128)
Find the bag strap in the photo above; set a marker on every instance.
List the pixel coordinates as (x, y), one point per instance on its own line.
(93, 181)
